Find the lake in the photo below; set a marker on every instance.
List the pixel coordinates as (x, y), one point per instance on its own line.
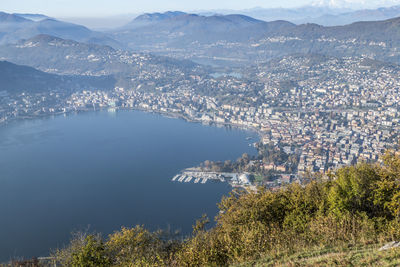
(100, 171)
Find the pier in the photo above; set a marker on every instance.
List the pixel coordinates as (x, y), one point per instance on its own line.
(199, 176)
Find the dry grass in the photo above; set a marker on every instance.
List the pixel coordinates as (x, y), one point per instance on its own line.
(366, 256)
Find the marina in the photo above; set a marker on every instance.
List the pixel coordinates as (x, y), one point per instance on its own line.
(199, 176)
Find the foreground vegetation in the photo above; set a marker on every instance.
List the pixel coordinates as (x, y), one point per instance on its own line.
(336, 220)
(359, 256)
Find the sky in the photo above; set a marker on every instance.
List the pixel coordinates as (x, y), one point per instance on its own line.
(97, 8)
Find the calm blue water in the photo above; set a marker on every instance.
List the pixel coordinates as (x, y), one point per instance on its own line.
(104, 170)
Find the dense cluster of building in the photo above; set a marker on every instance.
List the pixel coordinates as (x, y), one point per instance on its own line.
(25, 106)
(341, 110)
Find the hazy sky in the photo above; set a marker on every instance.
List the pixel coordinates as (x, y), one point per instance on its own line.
(95, 8)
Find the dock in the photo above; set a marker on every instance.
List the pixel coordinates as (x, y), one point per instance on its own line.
(197, 175)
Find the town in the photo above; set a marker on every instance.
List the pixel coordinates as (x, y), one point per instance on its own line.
(324, 112)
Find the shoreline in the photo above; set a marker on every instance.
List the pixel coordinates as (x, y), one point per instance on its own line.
(171, 115)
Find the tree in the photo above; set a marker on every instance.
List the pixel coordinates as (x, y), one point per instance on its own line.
(136, 247)
(353, 189)
(91, 255)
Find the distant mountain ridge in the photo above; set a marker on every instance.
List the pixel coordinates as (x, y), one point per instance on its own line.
(10, 18)
(34, 17)
(322, 15)
(171, 16)
(379, 31)
(239, 39)
(227, 40)
(295, 15)
(150, 18)
(182, 29)
(383, 13)
(153, 17)
(15, 27)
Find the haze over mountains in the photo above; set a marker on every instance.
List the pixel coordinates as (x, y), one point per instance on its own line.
(239, 39)
(182, 29)
(14, 27)
(383, 13)
(233, 40)
(323, 15)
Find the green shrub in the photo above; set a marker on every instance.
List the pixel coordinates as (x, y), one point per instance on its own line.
(91, 254)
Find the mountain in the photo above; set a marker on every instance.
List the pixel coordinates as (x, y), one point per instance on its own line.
(10, 23)
(34, 17)
(238, 40)
(11, 18)
(19, 78)
(16, 78)
(56, 55)
(368, 33)
(375, 39)
(295, 15)
(318, 69)
(182, 29)
(322, 15)
(16, 27)
(383, 13)
(151, 18)
(68, 57)
(159, 16)
(223, 40)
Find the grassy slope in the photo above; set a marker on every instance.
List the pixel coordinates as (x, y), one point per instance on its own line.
(364, 256)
